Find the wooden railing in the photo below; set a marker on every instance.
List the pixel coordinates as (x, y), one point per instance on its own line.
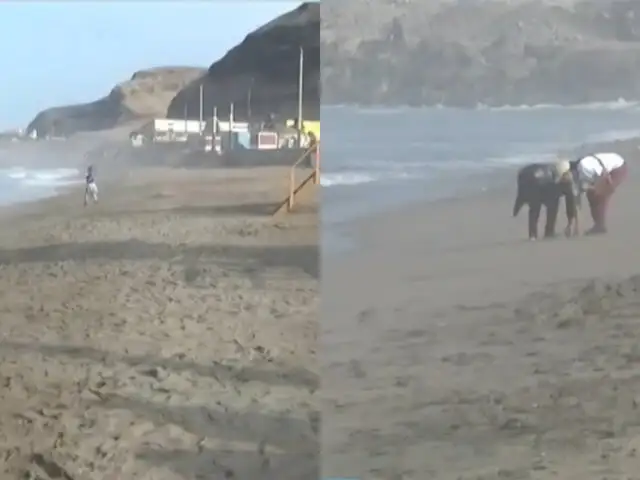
(308, 154)
(294, 187)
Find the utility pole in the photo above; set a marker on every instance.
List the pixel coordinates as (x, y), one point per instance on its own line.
(300, 87)
(249, 100)
(214, 129)
(200, 129)
(231, 136)
(185, 115)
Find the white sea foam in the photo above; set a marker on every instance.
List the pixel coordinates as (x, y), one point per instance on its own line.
(346, 178)
(613, 136)
(49, 178)
(620, 104)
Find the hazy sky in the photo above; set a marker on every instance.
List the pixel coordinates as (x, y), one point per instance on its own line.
(61, 52)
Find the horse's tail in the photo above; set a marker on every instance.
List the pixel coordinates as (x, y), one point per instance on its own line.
(520, 196)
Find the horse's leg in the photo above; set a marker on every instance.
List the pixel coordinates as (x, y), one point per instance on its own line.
(552, 204)
(534, 214)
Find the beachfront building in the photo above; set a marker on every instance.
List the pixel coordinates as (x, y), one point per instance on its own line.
(214, 134)
(167, 130)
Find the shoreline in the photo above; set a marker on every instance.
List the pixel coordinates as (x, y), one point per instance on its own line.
(348, 234)
(455, 348)
(121, 321)
(17, 209)
(621, 102)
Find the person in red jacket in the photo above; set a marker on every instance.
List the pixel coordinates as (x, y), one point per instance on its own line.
(599, 175)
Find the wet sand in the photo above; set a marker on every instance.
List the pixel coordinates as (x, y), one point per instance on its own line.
(167, 333)
(454, 349)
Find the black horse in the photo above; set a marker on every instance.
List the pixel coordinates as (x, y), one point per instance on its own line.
(544, 184)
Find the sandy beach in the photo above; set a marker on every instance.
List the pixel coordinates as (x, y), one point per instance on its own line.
(454, 349)
(167, 333)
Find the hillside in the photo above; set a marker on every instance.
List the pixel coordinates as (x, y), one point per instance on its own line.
(146, 94)
(260, 75)
(490, 52)
(263, 67)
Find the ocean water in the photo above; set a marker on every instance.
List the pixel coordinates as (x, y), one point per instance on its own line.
(18, 184)
(377, 159)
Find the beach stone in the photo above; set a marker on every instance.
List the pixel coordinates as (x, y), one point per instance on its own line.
(629, 287)
(191, 273)
(570, 315)
(356, 370)
(597, 297)
(157, 373)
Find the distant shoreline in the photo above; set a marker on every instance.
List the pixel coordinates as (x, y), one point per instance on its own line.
(611, 104)
(347, 236)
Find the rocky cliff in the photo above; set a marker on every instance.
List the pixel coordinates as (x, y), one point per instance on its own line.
(146, 94)
(260, 75)
(469, 52)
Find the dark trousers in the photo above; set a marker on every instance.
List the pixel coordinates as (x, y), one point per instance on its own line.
(601, 194)
(551, 203)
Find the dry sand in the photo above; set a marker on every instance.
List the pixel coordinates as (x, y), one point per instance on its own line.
(454, 349)
(166, 333)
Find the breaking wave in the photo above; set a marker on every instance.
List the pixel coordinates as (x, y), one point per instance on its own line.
(57, 177)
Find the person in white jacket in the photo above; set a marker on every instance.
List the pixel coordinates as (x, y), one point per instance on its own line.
(91, 188)
(599, 175)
